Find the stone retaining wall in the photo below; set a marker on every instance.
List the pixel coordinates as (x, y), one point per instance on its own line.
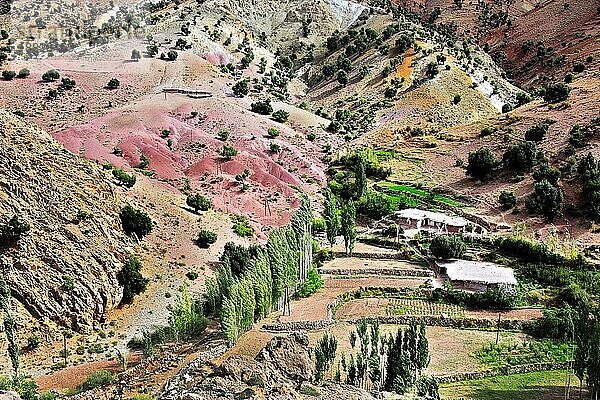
(516, 369)
(421, 273)
(373, 256)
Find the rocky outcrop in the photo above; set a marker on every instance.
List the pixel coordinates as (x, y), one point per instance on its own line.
(65, 267)
(281, 371)
(9, 395)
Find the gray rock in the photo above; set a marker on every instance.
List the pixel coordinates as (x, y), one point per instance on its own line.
(47, 186)
(9, 395)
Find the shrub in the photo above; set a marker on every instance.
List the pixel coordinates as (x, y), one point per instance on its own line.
(12, 231)
(520, 157)
(135, 54)
(577, 136)
(123, 178)
(113, 83)
(342, 77)
(481, 163)
(23, 73)
(262, 107)
(537, 132)
(313, 283)
(98, 379)
(135, 221)
(274, 147)
(272, 133)
(555, 324)
(579, 67)
(223, 135)
(318, 225)
(546, 200)
(198, 202)
(241, 88)
(241, 226)
(556, 92)
(568, 78)
(131, 279)
(280, 116)
(545, 172)
(456, 99)
(491, 299)
(52, 93)
(507, 107)
(447, 246)
(67, 83)
(507, 199)
(206, 238)
(33, 342)
(8, 75)
(172, 55)
(375, 205)
(50, 75)
(228, 152)
(192, 275)
(522, 98)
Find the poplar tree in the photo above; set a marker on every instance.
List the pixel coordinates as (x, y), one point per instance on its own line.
(331, 215)
(360, 176)
(348, 215)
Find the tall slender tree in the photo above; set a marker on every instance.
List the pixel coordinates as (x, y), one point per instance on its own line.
(331, 215)
(348, 215)
(360, 175)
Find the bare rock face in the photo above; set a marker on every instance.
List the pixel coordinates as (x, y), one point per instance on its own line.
(9, 395)
(65, 268)
(281, 371)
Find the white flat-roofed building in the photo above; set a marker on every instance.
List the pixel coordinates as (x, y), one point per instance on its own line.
(476, 275)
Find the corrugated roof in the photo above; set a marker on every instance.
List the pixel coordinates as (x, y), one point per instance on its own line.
(415, 213)
(476, 271)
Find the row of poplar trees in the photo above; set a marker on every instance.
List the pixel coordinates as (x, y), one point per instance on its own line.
(256, 280)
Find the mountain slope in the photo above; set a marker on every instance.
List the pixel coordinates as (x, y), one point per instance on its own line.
(75, 231)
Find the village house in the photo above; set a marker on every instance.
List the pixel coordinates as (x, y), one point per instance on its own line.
(475, 276)
(413, 219)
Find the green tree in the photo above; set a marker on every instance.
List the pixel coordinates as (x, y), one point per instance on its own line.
(206, 238)
(331, 215)
(135, 221)
(556, 92)
(280, 116)
(241, 88)
(348, 226)
(324, 355)
(447, 246)
(507, 199)
(360, 176)
(198, 202)
(228, 152)
(521, 157)
(8, 75)
(546, 200)
(131, 279)
(342, 77)
(113, 83)
(50, 75)
(123, 178)
(481, 164)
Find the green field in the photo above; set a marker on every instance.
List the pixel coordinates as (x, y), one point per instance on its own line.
(419, 193)
(532, 386)
(420, 307)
